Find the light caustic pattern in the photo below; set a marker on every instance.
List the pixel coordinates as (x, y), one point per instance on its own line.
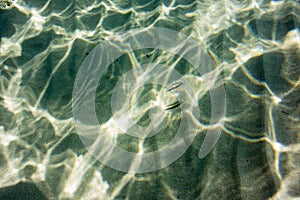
(184, 96)
(254, 44)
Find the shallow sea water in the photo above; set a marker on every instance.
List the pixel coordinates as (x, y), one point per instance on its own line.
(255, 47)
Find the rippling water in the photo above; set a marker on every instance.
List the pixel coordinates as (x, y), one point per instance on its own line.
(255, 46)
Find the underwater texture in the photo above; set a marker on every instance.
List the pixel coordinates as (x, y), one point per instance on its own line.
(255, 46)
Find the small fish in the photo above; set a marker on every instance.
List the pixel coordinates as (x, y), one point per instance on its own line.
(173, 106)
(175, 85)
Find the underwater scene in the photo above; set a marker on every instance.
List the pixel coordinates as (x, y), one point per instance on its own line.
(149, 99)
